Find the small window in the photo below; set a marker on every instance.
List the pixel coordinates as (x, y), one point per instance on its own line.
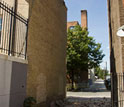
(71, 27)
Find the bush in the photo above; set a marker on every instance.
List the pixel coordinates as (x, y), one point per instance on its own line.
(29, 102)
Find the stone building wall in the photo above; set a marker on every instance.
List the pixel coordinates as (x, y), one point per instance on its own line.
(115, 41)
(9, 2)
(23, 8)
(122, 39)
(116, 20)
(47, 50)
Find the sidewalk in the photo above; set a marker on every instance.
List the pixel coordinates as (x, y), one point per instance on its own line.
(95, 96)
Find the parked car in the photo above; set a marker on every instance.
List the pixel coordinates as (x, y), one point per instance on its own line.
(108, 83)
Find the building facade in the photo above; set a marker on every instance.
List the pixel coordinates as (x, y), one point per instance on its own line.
(22, 6)
(41, 72)
(72, 24)
(47, 51)
(84, 21)
(116, 19)
(13, 63)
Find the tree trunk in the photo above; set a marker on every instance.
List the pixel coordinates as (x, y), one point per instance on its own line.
(72, 78)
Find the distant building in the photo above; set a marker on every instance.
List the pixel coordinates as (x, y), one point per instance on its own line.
(84, 21)
(72, 24)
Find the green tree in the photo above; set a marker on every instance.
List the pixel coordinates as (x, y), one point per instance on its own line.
(101, 73)
(83, 52)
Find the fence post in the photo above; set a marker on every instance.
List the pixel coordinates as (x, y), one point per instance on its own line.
(10, 36)
(14, 28)
(26, 40)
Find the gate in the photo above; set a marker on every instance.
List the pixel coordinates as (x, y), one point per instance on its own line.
(13, 32)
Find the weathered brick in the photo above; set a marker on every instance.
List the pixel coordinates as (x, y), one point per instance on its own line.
(47, 50)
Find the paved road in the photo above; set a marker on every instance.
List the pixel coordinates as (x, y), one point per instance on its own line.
(95, 96)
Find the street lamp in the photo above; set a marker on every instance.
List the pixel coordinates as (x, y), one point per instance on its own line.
(120, 31)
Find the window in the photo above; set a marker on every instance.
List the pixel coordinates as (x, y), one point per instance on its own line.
(71, 27)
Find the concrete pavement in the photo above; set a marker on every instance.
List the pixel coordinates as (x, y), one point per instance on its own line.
(98, 89)
(95, 96)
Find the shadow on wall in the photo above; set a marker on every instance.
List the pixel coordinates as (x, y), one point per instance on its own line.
(114, 83)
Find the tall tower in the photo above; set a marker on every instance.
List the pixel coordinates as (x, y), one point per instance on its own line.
(84, 23)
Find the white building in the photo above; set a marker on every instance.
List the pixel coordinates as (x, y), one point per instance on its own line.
(13, 65)
(23, 6)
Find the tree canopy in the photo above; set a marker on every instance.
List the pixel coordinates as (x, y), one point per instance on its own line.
(82, 50)
(101, 73)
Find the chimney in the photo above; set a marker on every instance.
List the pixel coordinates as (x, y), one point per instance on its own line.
(84, 19)
(123, 2)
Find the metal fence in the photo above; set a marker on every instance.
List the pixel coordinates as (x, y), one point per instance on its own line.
(118, 79)
(13, 32)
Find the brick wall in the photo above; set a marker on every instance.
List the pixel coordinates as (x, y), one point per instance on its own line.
(73, 23)
(47, 50)
(116, 19)
(116, 46)
(122, 39)
(84, 19)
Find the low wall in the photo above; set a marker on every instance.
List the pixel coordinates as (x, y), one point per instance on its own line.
(13, 74)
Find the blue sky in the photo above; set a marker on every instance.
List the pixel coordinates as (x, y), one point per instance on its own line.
(97, 21)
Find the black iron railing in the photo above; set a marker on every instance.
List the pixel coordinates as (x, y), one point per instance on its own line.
(13, 32)
(118, 89)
